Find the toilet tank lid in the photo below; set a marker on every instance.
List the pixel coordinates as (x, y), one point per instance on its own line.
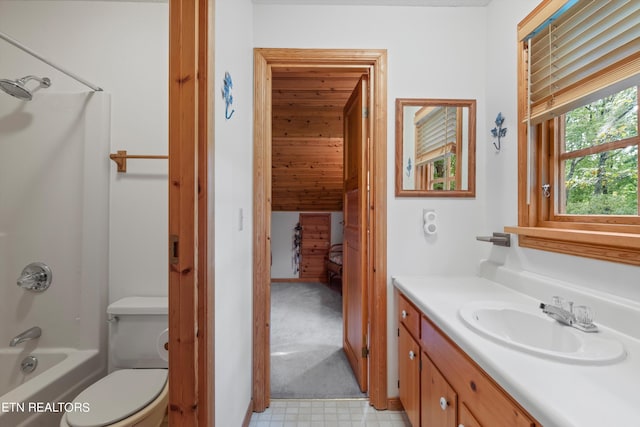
(139, 305)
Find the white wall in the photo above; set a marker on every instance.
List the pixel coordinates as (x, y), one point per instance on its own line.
(282, 264)
(122, 46)
(233, 192)
(337, 227)
(417, 67)
(501, 169)
(419, 42)
(282, 231)
(483, 67)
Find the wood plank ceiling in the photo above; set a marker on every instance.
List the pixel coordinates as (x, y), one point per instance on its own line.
(307, 123)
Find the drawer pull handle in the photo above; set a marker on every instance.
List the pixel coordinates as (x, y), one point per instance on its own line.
(443, 403)
(412, 355)
(460, 425)
(405, 314)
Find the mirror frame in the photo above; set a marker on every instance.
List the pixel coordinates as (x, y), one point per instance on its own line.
(471, 151)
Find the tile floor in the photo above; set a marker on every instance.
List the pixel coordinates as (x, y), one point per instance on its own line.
(326, 413)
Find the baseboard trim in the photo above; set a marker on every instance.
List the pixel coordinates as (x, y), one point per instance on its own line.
(247, 416)
(394, 404)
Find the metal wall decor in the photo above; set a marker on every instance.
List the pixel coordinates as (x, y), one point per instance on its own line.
(297, 246)
(498, 131)
(226, 95)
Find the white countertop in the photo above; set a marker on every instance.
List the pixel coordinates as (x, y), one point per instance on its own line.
(557, 394)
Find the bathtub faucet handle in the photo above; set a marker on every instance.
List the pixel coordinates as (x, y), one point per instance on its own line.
(35, 277)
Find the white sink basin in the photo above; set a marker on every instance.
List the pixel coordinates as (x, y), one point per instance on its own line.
(527, 329)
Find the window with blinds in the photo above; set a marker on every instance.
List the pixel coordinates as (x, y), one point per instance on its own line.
(586, 50)
(437, 136)
(579, 73)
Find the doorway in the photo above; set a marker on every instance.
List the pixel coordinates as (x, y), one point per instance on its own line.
(372, 62)
(307, 198)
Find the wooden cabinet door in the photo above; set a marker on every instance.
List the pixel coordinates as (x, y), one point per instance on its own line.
(438, 406)
(490, 404)
(466, 418)
(314, 245)
(409, 375)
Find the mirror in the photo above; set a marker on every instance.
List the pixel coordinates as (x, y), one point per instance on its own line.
(435, 147)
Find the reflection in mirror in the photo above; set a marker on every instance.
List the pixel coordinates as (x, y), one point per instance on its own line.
(435, 147)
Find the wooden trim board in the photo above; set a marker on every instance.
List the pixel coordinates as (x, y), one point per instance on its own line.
(191, 287)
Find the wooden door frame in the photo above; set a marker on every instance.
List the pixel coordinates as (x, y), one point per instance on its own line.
(191, 149)
(376, 62)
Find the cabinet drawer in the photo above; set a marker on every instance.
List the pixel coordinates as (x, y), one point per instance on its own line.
(490, 405)
(408, 316)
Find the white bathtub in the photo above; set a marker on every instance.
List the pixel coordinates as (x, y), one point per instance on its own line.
(29, 400)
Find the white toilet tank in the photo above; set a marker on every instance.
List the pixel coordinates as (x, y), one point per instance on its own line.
(138, 333)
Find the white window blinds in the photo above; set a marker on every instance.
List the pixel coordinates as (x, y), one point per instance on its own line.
(590, 50)
(436, 133)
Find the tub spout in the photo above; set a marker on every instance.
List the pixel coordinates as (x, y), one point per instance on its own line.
(29, 334)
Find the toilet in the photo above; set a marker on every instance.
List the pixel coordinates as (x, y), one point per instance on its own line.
(136, 391)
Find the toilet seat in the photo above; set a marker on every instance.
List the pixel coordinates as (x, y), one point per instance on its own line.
(117, 396)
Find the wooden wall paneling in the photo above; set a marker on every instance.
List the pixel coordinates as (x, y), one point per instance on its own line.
(328, 100)
(336, 82)
(307, 122)
(313, 87)
(306, 174)
(307, 130)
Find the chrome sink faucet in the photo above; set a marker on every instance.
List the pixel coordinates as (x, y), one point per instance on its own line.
(580, 318)
(558, 313)
(29, 334)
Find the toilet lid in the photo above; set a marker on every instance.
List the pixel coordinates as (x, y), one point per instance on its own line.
(116, 396)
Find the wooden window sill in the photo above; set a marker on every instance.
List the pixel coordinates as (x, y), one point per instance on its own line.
(608, 246)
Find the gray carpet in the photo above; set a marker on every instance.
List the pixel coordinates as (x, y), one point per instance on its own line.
(307, 360)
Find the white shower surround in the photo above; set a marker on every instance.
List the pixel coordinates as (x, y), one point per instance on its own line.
(54, 192)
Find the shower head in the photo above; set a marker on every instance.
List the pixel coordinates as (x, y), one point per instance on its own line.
(17, 87)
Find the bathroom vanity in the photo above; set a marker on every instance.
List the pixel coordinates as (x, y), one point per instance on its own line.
(444, 387)
(452, 375)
